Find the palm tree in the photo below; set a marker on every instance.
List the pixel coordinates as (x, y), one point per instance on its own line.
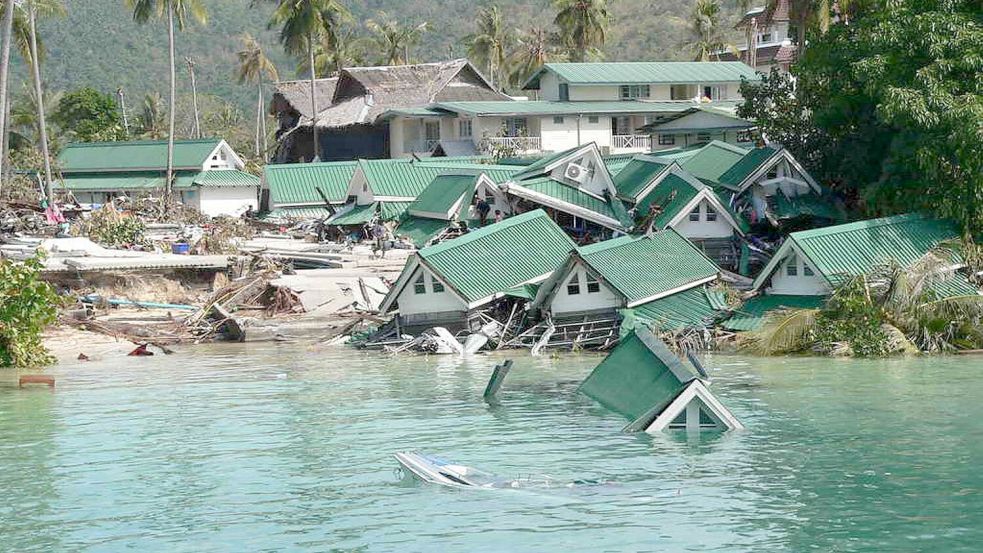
(706, 29)
(24, 119)
(16, 30)
(151, 117)
(179, 12)
(333, 55)
(534, 48)
(394, 40)
(583, 25)
(488, 46)
(303, 23)
(253, 66)
(44, 7)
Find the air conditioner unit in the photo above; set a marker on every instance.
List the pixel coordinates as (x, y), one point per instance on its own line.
(576, 173)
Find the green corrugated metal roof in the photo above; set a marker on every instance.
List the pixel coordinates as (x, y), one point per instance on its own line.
(525, 291)
(751, 162)
(639, 374)
(640, 268)
(393, 211)
(404, 178)
(544, 107)
(616, 162)
(498, 257)
(955, 286)
(420, 230)
(693, 308)
(225, 179)
(79, 182)
(647, 72)
(812, 205)
(713, 160)
(298, 213)
(297, 183)
(443, 192)
(575, 196)
(135, 155)
(751, 315)
(357, 215)
(636, 175)
(671, 196)
(856, 248)
(538, 167)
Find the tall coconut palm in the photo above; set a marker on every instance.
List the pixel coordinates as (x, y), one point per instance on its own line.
(489, 45)
(534, 48)
(176, 12)
(583, 25)
(393, 39)
(151, 118)
(25, 121)
(34, 9)
(302, 24)
(707, 31)
(332, 54)
(253, 66)
(16, 31)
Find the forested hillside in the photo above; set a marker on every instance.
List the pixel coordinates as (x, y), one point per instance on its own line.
(98, 44)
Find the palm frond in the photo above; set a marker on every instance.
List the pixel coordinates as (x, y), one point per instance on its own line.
(785, 332)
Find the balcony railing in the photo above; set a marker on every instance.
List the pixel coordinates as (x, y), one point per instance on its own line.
(517, 143)
(631, 142)
(420, 146)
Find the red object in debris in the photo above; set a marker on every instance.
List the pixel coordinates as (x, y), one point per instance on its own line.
(140, 351)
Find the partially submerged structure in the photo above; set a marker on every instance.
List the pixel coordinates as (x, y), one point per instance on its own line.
(349, 107)
(208, 174)
(451, 283)
(642, 380)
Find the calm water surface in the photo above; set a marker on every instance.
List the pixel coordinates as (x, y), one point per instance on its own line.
(284, 448)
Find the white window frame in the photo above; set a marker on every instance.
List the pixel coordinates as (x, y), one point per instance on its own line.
(465, 128)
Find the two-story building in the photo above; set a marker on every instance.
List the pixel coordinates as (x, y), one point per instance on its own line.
(768, 42)
(580, 103)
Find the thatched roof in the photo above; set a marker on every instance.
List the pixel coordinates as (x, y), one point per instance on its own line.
(361, 94)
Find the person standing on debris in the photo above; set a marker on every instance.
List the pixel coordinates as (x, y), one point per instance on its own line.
(379, 233)
(499, 217)
(483, 209)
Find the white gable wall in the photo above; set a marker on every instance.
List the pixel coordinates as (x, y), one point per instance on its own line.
(226, 200)
(596, 183)
(222, 158)
(411, 303)
(799, 282)
(564, 303)
(704, 228)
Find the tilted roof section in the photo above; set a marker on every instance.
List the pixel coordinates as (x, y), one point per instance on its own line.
(751, 162)
(545, 107)
(405, 178)
(139, 155)
(751, 315)
(611, 208)
(443, 192)
(713, 160)
(297, 183)
(649, 267)
(646, 72)
(697, 307)
(637, 174)
(498, 257)
(856, 248)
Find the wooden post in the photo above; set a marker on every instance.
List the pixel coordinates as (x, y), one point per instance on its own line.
(36, 379)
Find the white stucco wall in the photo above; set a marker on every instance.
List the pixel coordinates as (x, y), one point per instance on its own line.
(564, 303)
(411, 303)
(396, 137)
(581, 93)
(704, 228)
(227, 200)
(800, 283)
(549, 87)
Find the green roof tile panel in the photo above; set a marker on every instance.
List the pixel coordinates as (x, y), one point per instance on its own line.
(226, 179)
(574, 196)
(752, 313)
(420, 230)
(500, 256)
(744, 167)
(693, 308)
(713, 160)
(442, 193)
(357, 215)
(640, 268)
(402, 178)
(636, 175)
(94, 181)
(807, 205)
(135, 155)
(651, 72)
(298, 213)
(297, 183)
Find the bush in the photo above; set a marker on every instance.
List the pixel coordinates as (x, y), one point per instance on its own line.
(27, 305)
(109, 227)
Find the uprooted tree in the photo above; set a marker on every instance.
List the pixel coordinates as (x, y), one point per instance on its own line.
(27, 306)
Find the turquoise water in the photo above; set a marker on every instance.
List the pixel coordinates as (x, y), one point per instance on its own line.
(285, 448)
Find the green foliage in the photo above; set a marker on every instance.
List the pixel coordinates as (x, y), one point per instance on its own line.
(87, 115)
(27, 305)
(583, 26)
(889, 109)
(109, 227)
(851, 323)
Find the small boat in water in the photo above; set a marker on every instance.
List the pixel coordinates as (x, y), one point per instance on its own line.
(434, 470)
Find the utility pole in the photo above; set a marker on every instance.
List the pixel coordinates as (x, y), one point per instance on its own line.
(194, 95)
(122, 110)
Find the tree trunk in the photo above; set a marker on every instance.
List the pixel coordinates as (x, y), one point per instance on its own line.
(6, 169)
(8, 28)
(310, 59)
(259, 114)
(168, 185)
(42, 125)
(194, 96)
